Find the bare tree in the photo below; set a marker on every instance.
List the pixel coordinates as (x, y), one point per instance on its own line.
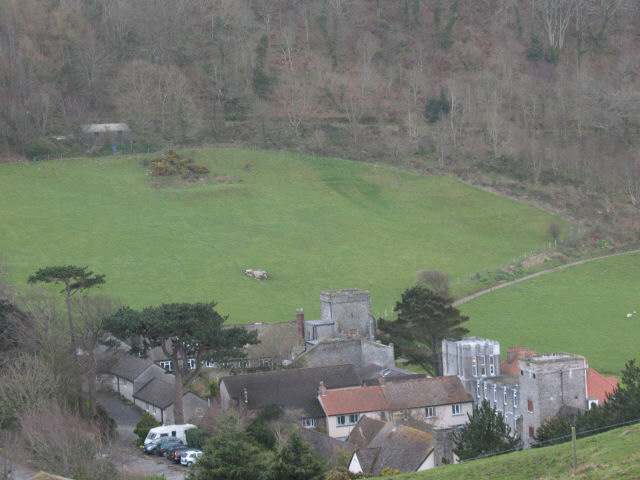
(555, 17)
(295, 99)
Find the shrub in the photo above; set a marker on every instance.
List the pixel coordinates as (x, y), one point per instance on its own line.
(146, 423)
(171, 163)
(197, 437)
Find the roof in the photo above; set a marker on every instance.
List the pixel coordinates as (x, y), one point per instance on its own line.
(353, 400)
(290, 388)
(48, 476)
(599, 386)
(423, 392)
(395, 446)
(327, 447)
(105, 127)
(511, 367)
(156, 392)
(277, 340)
(364, 431)
(129, 366)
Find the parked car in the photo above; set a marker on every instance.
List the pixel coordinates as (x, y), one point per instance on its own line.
(176, 452)
(166, 447)
(190, 457)
(155, 447)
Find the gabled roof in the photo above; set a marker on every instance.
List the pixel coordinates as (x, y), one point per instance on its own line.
(129, 366)
(329, 448)
(290, 388)
(105, 127)
(156, 392)
(354, 400)
(364, 431)
(395, 446)
(599, 386)
(424, 392)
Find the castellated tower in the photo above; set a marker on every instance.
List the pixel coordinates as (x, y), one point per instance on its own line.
(349, 311)
(550, 384)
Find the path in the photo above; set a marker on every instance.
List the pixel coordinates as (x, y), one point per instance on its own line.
(462, 300)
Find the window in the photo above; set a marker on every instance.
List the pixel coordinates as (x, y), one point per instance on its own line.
(456, 408)
(244, 363)
(430, 411)
(341, 420)
(515, 399)
(154, 408)
(353, 418)
(593, 403)
(199, 411)
(474, 367)
(265, 362)
(483, 366)
(308, 422)
(478, 389)
(484, 387)
(530, 405)
(533, 375)
(146, 406)
(521, 373)
(532, 432)
(192, 363)
(167, 365)
(495, 393)
(492, 369)
(504, 395)
(114, 379)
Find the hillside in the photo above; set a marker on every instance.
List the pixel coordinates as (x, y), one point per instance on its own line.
(313, 223)
(595, 297)
(531, 98)
(610, 455)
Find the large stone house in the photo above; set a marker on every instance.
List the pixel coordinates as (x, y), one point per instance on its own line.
(527, 388)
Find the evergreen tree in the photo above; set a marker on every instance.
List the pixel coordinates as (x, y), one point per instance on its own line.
(486, 433)
(296, 461)
(424, 320)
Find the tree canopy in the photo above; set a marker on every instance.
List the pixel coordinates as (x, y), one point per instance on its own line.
(486, 433)
(184, 331)
(424, 319)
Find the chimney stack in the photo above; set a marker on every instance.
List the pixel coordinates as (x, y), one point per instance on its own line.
(300, 323)
(322, 390)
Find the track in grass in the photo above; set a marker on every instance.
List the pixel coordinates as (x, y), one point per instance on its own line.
(312, 223)
(582, 309)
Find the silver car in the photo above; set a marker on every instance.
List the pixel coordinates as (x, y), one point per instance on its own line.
(190, 457)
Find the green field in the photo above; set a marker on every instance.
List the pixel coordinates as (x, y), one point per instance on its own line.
(581, 309)
(312, 223)
(611, 455)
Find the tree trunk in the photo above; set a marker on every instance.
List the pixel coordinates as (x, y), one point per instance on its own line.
(178, 414)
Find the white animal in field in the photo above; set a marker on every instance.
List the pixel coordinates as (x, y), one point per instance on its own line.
(629, 315)
(257, 274)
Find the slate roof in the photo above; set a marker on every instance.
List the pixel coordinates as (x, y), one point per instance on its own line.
(156, 392)
(290, 388)
(327, 447)
(129, 366)
(426, 392)
(599, 386)
(364, 431)
(395, 446)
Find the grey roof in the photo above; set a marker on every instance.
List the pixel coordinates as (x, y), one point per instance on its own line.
(129, 366)
(105, 127)
(290, 388)
(364, 431)
(395, 446)
(325, 446)
(156, 392)
(424, 392)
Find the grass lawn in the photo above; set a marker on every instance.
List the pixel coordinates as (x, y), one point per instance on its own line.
(312, 223)
(581, 309)
(612, 455)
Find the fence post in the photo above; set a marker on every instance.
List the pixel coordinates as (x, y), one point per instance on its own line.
(575, 455)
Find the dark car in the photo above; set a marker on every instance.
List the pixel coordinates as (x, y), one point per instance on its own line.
(155, 446)
(176, 452)
(167, 446)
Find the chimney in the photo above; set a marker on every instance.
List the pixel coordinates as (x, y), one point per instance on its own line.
(300, 323)
(512, 353)
(322, 390)
(382, 381)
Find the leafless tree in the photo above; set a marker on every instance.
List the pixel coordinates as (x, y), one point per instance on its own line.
(295, 99)
(555, 17)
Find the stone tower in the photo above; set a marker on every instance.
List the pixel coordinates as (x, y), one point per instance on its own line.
(550, 384)
(349, 311)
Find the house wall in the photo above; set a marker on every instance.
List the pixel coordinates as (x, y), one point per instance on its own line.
(550, 382)
(124, 387)
(495, 392)
(471, 358)
(428, 463)
(354, 465)
(225, 399)
(342, 431)
(152, 410)
(444, 415)
(193, 407)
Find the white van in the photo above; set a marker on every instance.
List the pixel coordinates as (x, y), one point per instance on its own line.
(168, 431)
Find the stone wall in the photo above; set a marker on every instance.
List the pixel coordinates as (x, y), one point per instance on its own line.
(349, 310)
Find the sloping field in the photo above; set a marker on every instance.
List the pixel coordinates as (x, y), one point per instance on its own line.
(613, 455)
(581, 309)
(312, 223)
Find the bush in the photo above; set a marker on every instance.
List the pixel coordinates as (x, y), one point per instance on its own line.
(146, 423)
(197, 437)
(171, 163)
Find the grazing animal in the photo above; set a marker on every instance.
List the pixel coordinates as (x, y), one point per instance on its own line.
(629, 315)
(257, 274)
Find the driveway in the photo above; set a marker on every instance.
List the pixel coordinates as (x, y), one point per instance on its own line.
(130, 457)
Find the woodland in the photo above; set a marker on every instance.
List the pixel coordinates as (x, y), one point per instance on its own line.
(534, 98)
